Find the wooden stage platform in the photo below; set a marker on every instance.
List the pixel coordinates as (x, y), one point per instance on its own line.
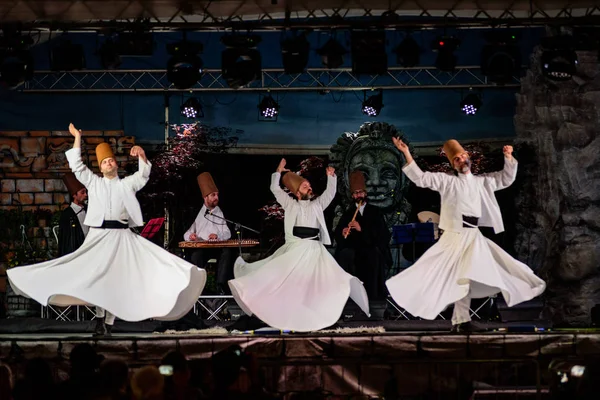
(354, 361)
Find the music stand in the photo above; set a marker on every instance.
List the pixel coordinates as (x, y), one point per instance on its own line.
(152, 227)
(412, 233)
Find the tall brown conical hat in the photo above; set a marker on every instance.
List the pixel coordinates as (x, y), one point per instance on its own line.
(292, 181)
(357, 181)
(103, 150)
(72, 184)
(452, 149)
(207, 184)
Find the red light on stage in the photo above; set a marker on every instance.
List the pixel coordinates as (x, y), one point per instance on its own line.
(441, 43)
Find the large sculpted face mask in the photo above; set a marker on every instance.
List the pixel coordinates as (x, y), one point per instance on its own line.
(383, 175)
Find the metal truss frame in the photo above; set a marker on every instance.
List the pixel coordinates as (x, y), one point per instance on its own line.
(316, 79)
(257, 14)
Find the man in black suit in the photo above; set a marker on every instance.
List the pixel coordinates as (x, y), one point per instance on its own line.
(71, 230)
(363, 240)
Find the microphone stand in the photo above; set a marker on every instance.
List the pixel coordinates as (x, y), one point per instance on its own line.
(237, 226)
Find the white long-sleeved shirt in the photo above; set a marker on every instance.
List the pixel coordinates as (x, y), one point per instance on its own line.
(205, 225)
(80, 212)
(451, 189)
(110, 199)
(468, 198)
(306, 216)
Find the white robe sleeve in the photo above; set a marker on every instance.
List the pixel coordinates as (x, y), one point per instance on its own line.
(430, 180)
(327, 196)
(280, 195)
(138, 180)
(81, 171)
(502, 179)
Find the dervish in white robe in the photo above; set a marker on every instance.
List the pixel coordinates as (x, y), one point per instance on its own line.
(300, 287)
(114, 269)
(464, 264)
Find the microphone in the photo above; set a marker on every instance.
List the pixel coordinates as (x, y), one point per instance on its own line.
(207, 212)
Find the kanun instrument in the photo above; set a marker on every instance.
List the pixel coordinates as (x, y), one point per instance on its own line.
(219, 243)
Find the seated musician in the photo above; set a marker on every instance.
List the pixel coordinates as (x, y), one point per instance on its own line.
(363, 239)
(207, 227)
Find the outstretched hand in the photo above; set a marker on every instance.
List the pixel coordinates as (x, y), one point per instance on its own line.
(507, 150)
(400, 145)
(74, 131)
(330, 171)
(281, 167)
(137, 151)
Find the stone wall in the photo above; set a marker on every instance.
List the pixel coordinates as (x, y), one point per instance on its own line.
(558, 203)
(32, 164)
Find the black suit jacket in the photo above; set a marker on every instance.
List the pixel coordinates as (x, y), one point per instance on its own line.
(374, 232)
(70, 234)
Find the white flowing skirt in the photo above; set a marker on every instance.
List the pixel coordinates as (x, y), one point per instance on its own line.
(300, 287)
(462, 264)
(119, 271)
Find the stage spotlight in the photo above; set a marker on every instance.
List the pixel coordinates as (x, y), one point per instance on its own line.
(109, 55)
(241, 63)
(372, 106)
(445, 46)
(501, 58)
(368, 52)
(294, 52)
(192, 109)
(559, 65)
(332, 54)
(184, 68)
(408, 52)
(15, 68)
(268, 107)
(67, 56)
(471, 104)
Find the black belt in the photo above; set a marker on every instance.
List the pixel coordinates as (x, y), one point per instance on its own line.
(304, 232)
(470, 220)
(114, 225)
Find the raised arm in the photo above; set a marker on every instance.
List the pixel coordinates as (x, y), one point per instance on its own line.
(502, 179)
(280, 195)
(81, 171)
(139, 179)
(434, 181)
(327, 196)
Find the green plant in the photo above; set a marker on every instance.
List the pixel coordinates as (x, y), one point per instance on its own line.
(25, 255)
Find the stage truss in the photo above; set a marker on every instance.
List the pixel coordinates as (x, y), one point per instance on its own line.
(268, 14)
(316, 79)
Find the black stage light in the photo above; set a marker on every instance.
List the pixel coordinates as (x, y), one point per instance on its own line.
(268, 107)
(471, 104)
(445, 46)
(294, 52)
(501, 58)
(408, 52)
(372, 106)
(368, 52)
(185, 67)
(16, 67)
(332, 54)
(67, 56)
(109, 55)
(241, 63)
(559, 60)
(559, 65)
(192, 109)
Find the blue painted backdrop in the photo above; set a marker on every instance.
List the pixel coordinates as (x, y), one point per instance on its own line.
(305, 117)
